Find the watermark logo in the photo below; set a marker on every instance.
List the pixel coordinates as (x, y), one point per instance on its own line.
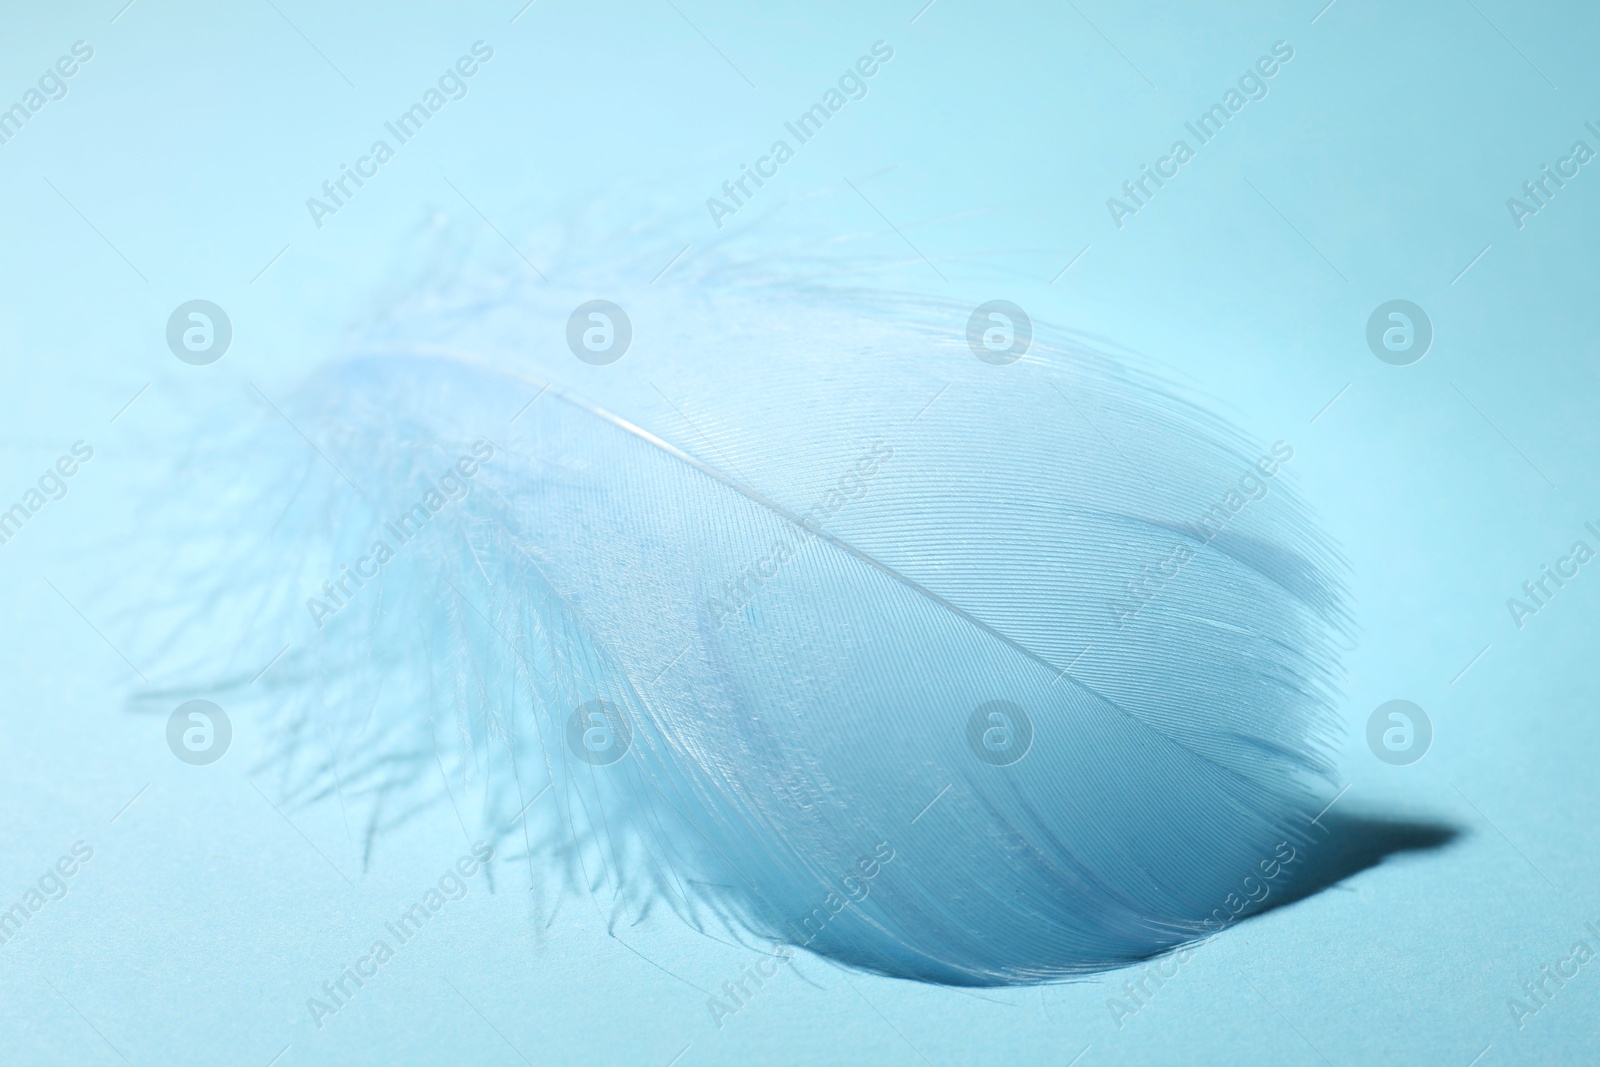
(1141, 991)
(599, 332)
(1252, 86)
(199, 732)
(52, 885)
(849, 487)
(337, 192)
(1552, 978)
(340, 591)
(598, 733)
(999, 332)
(1399, 733)
(199, 332)
(1399, 332)
(51, 486)
(1539, 191)
(452, 885)
(857, 885)
(852, 85)
(999, 733)
(51, 86)
(1249, 487)
(1552, 578)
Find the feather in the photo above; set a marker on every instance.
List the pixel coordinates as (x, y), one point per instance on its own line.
(816, 625)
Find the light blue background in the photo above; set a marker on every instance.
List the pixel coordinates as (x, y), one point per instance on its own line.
(1390, 142)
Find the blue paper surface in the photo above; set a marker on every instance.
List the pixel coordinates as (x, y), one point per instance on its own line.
(1384, 162)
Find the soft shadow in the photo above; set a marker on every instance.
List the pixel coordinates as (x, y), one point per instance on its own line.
(1343, 845)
